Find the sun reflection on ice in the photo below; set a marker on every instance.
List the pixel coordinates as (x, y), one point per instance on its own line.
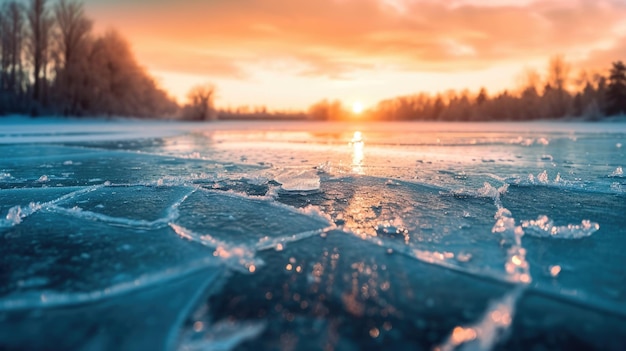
(358, 153)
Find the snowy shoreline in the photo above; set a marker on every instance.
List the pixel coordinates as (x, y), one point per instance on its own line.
(21, 129)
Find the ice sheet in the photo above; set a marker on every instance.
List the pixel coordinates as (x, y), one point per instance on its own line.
(311, 235)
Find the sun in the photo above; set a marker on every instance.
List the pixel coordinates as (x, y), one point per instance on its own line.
(357, 108)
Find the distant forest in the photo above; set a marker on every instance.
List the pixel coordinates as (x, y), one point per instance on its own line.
(556, 96)
(51, 63)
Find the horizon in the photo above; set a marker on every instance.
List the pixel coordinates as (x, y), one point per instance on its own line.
(289, 56)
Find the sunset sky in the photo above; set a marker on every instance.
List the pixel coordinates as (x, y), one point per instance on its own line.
(290, 53)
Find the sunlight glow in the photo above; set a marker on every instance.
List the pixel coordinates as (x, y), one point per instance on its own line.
(357, 107)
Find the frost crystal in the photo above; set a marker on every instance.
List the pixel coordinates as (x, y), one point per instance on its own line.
(543, 177)
(544, 227)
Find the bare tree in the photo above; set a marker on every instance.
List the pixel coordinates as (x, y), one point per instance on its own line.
(74, 30)
(38, 40)
(12, 40)
(13, 81)
(556, 94)
(558, 73)
(5, 48)
(200, 105)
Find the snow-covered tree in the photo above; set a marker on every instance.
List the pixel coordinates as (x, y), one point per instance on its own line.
(616, 91)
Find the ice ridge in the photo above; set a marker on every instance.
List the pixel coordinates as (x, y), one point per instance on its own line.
(238, 257)
(496, 322)
(16, 214)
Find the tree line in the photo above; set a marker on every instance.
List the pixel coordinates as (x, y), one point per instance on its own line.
(52, 63)
(556, 95)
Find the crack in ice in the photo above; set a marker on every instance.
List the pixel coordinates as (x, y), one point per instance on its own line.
(16, 214)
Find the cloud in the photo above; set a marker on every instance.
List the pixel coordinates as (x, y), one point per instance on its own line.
(193, 62)
(336, 37)
(601, 59)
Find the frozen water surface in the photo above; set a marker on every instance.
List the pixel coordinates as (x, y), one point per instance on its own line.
(306, 236)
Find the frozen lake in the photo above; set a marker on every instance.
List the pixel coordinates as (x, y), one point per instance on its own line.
(306, 236)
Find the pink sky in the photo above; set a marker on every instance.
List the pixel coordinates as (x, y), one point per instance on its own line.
(290, 53)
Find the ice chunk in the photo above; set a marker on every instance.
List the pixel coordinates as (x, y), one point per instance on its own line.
(543, 141)
(544, 227)
(463, 257)
(299, 181)
(543, 177)
(487, 191)
(17, 213)
(256, 180)
(505, 225)
(618, 172)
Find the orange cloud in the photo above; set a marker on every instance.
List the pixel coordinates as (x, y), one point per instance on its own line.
(335, 38)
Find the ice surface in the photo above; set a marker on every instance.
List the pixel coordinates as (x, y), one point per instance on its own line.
(139, 319)
(148, 206)
(87, 258)
(248, 236)
(237, 219)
